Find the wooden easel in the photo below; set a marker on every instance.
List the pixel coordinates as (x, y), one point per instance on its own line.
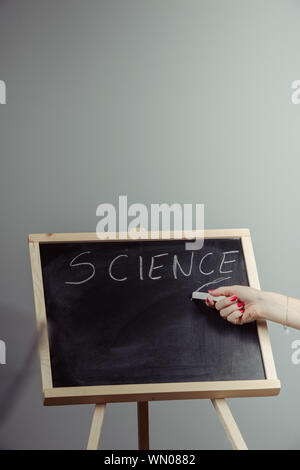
(142, 393)
(228, 422)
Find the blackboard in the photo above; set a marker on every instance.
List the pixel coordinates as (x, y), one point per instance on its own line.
(121, 313)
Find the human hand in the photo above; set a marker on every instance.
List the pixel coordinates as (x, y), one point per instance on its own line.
(243, 304)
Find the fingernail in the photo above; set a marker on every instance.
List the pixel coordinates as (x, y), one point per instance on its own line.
(242, 311)
(233, 299)
(240, 304)
(212, 290)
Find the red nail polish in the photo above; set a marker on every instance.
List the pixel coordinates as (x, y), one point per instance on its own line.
(240, 304)
(233, 299)
(242, 311)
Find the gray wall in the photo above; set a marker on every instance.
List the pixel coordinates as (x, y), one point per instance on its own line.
(164, 101)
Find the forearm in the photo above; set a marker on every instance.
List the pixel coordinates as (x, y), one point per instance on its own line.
(281, 309)
(243, 304)
(293, 313)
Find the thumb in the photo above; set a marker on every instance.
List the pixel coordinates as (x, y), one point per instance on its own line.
(228, 291)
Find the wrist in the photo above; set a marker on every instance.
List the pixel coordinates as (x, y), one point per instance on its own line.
(273, 307)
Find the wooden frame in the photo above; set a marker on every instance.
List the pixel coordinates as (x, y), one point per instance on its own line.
(148, 392)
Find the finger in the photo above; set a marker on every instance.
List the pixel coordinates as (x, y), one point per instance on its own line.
(228, 291)
(235, 317)
(226, 302)
(225, 312)
(210, 303)
(248, 316)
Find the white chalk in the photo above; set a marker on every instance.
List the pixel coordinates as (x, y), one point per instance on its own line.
(204, 295)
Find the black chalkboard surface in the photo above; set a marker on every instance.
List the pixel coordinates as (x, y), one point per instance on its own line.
(121, 313)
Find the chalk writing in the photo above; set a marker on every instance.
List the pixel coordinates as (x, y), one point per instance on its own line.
(118, 267)
(72, 264)
(110, 269)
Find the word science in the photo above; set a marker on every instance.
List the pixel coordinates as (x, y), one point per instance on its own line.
(123, 267)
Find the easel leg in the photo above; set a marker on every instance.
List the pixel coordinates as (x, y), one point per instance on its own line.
(229, 424)
(143, 425)
(96, 427)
